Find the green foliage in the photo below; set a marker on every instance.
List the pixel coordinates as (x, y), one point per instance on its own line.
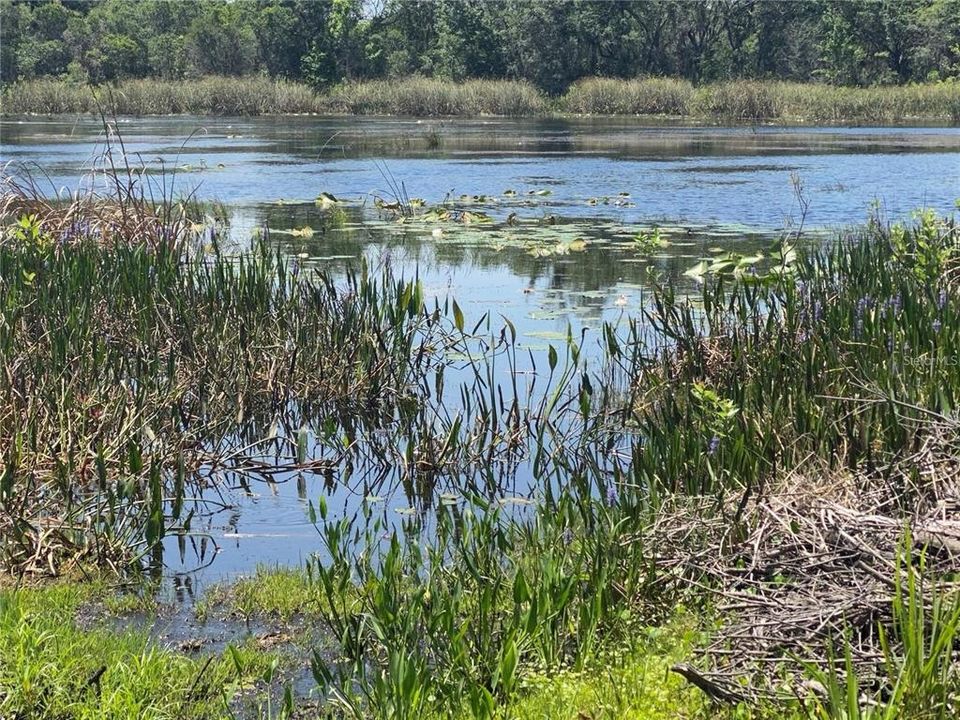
(923, 250)
(649, 241)
(454, 622)
(219, 42)
(258, 95)
(51, 668)
(552, 45)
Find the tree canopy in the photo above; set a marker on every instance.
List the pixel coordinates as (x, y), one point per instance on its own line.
(552, 44)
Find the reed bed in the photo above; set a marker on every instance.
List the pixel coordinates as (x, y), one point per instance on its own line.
(204, 96)
(609, 96)
(848, 364)
(735, 101)
(428, 96)
(137, 356)
(796, 102)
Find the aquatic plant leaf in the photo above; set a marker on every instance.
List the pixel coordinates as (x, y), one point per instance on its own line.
(457, 316)
(698, 271)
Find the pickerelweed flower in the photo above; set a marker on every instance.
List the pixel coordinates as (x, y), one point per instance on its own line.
(714, 445)
(895, 303)
(942, 299)
(817, 311)
(611, 495)
(937, 325)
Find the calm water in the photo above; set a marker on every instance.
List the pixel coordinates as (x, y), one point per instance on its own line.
(566, 199)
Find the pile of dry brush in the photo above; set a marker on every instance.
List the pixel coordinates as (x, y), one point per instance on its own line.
(817, 566)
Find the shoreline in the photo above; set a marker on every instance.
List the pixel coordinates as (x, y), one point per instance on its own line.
(747, 103)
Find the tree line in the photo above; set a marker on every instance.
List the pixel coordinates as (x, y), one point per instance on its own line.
(551, 44)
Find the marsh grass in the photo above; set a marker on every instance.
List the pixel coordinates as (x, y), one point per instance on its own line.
(847, 358)
(839, 358)
(428, 96)
(741, 101)
(138, 356)
(204, 96)
(130, 368)
(277, 592)
(609, 96)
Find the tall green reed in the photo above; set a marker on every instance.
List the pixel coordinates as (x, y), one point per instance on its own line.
(128, 367)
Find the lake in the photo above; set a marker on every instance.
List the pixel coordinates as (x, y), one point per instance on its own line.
(550, 224)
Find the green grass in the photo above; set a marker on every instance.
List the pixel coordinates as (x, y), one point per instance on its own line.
(278, 592)
(53, 668)
(843, 359)
(630, 682)
(204, 96)
(735, 101)
(610, 96)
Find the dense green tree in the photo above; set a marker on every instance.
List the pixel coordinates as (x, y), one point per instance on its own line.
(466, 44)
(537, 43)
(221, 41)
(402, 35)
(280, 38)
(549, 42)
(12, 29)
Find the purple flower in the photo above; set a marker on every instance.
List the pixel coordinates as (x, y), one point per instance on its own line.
(714, 445)
(567, 536)
(937, 325)
(817, 310)
(942, 299)
(895, 303)
(611, 495)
